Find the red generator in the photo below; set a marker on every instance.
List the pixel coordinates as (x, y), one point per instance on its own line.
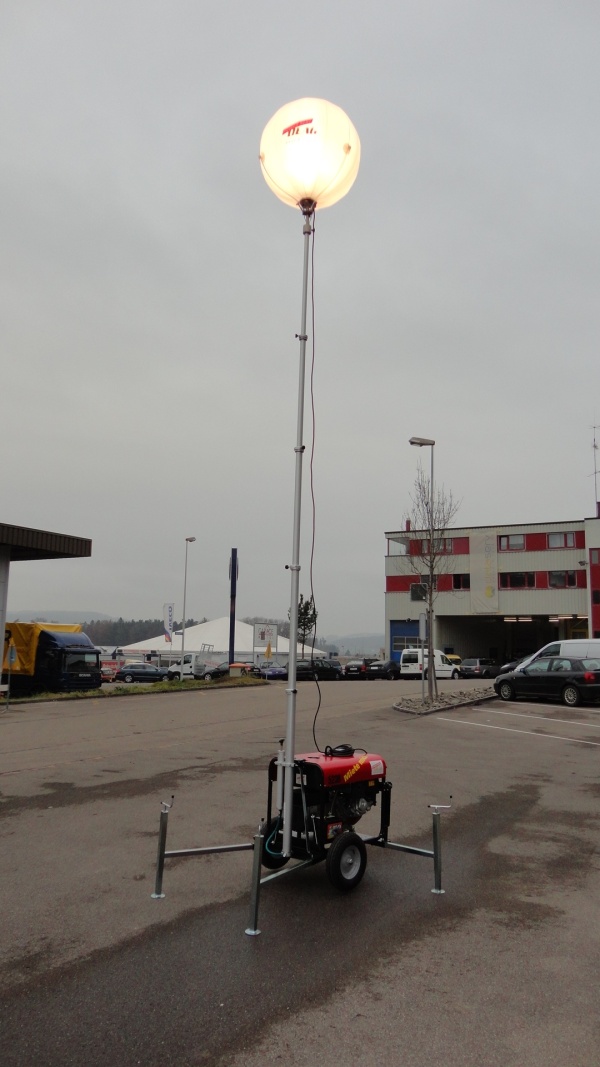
(332, 791)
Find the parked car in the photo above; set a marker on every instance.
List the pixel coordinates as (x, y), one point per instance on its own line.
(414, 663)
(246, 668)
(220, 671)
(273, 671)
(479, 668)
(357, 668)
(553, 678)
(383, 668)
(513, 664)
(141, 672)
(107, 673)
(194, 667)
(322, 669)
(457, 660)
(576, 648)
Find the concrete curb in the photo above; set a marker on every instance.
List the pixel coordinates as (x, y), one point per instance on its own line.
(484, 697)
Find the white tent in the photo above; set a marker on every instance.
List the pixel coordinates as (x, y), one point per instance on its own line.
(213, 638)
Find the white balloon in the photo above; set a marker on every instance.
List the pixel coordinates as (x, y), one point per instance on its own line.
(310, 152)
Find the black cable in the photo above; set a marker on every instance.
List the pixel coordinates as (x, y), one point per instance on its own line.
(311, 468)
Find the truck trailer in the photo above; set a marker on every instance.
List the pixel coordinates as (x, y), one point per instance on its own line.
(49, 657)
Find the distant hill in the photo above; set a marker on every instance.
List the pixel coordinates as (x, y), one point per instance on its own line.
(55, 616)
(356, 644)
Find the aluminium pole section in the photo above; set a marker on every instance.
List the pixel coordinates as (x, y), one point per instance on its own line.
(181, 676)
(431, 682)
(290, 736)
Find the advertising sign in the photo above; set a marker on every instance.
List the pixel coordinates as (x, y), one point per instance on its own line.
(265, 633)
(168, 610)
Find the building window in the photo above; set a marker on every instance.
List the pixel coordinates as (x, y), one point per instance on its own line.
(561, 540)
(596, 596)
(562, 579)
(461, 581)
(441, 545)
(511, 542)
(418, 591)
(595, 555)
(517, 580)
(399, 643)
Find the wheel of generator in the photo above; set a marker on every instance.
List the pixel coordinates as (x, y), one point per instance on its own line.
(346, 861)
(273, 863)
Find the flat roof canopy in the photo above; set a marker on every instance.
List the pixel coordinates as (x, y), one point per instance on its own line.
(23, 543)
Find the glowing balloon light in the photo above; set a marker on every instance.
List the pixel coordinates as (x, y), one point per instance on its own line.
(310, 153)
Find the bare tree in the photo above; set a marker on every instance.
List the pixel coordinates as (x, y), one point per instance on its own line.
(428, 555)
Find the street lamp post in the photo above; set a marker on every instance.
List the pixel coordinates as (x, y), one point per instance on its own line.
(421, 442)
(309, 155)
(188, 541)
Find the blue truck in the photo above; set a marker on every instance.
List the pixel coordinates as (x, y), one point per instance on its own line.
(49, 658)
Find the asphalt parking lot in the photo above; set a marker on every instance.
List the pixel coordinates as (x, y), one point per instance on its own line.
(501, 970)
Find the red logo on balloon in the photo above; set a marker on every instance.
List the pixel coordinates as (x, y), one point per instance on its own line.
(295, 128)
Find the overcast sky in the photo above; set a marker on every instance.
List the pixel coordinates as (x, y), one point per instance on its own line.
(151, 288)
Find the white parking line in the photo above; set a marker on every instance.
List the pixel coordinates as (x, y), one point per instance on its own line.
(532, 733)
(547, 718)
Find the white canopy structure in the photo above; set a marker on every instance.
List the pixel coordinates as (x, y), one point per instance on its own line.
(213, 638)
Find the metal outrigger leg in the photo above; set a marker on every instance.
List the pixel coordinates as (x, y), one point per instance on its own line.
(435, 853)
(163, 854)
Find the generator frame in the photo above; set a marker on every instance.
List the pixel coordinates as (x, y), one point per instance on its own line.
(310, 842)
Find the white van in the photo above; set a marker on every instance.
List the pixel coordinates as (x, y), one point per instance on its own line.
(580, 648)
(195, 665)
(411, 664)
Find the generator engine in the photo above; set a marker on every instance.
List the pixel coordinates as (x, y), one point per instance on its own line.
(331, 793)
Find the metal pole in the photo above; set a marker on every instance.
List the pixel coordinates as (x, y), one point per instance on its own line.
(187, 542)
(162, 843)
(290, 738)
(437, 854)
(431, 657)
(233, 573)
(437, 845)
(252, 928)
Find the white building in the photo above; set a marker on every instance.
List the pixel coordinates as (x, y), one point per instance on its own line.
(502, 591)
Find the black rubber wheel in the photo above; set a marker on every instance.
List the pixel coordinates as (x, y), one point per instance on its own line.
(506, 691)
(570, 695)
(455, 674)
(208, 677)
(128, 678)
(346, 861)
(274, 840)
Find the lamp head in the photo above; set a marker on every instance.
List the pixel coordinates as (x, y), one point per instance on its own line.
(190, 539)
(420, 441)
(309, 154)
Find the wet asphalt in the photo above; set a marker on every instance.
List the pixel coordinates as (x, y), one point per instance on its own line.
(500, 969)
